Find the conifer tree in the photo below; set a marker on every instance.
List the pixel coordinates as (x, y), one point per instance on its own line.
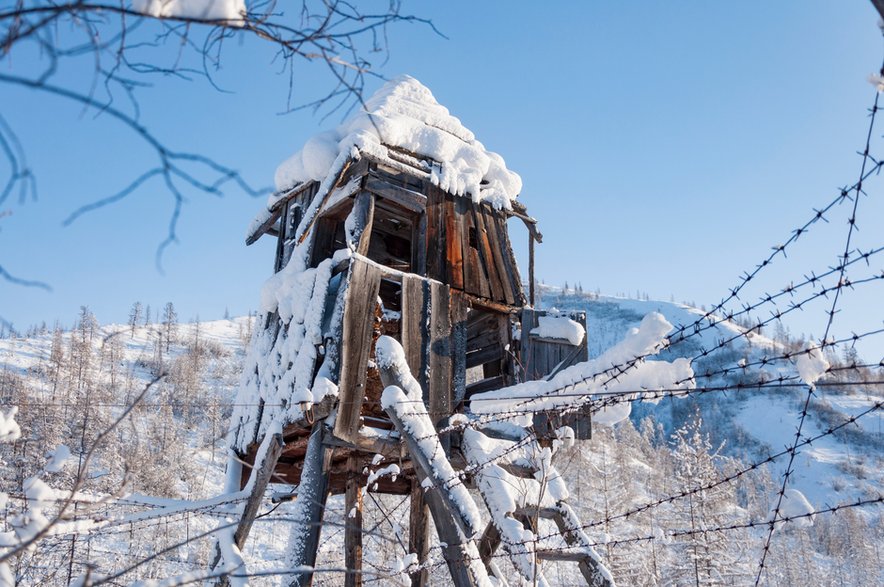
(170, 324)
(134, 317)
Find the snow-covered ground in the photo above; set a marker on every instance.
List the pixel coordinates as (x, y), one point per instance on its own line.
(834, 469)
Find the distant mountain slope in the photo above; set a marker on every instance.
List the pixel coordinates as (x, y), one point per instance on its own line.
(753, 423)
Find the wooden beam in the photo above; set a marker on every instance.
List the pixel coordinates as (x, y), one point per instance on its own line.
(454, 531)
(310, 506)
(262, 476)
(361, 298)
(418, 532)
(488, 543)
(414, 201)
(353, 525)
(440, 353)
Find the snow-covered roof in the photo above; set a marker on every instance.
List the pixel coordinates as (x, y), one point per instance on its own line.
(404, 114)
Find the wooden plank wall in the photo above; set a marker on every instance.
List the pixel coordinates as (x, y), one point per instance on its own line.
(541, 357)
(468, 247)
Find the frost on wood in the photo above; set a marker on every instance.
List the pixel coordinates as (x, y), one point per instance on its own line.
(590, 377)
(405, 115)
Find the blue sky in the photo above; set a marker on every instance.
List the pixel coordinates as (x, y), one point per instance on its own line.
(664, 147)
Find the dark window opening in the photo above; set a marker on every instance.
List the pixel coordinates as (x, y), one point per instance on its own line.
(330, 235)
(392, 236)
(390, 295)
(288, 227)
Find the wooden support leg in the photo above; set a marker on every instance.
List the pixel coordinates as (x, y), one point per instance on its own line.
(258, 479)
(489, 542)
(353, 525)
(309, 507)
(418, 537)
(261, 477)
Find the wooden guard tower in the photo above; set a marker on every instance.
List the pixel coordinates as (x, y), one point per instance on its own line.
(385, 252)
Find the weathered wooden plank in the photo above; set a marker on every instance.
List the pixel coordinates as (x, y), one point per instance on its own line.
(414, 320)
(510, 260)
(485, 385)
(486, 256)
(439, 385)
(473, 276)
(488, 543)
(359, 308)
(419, 246)
(453, 245)
(490, 335)
(263, 474)
(260, 476)
(480, 322)
(484, 355)
(435, 242)
(458, 313)
(418, 532)
(453, 529)
(353, 525)
(406, 198)
(363, 215)
(491, 220)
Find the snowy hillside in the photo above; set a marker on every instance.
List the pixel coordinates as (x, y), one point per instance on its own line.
(159, 478)
(754, 423)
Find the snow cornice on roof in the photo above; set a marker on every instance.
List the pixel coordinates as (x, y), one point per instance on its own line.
(404, 120)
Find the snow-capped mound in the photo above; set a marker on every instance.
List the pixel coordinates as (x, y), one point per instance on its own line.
(404, 114)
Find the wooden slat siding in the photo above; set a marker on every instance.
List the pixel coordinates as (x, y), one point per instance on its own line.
(485, 385)
(486, 337)
(459, 309)
(509, 259)
(404, 197)
(453, 246)
(435, 243)
(414, 320)
(488, 353)
(495, 288)
(361, 298)
(418, 532)
(363, 211)
(471, 269)
(480, 322)
(419, 246)
(439, 384)
(497, 252)
(353, 524)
